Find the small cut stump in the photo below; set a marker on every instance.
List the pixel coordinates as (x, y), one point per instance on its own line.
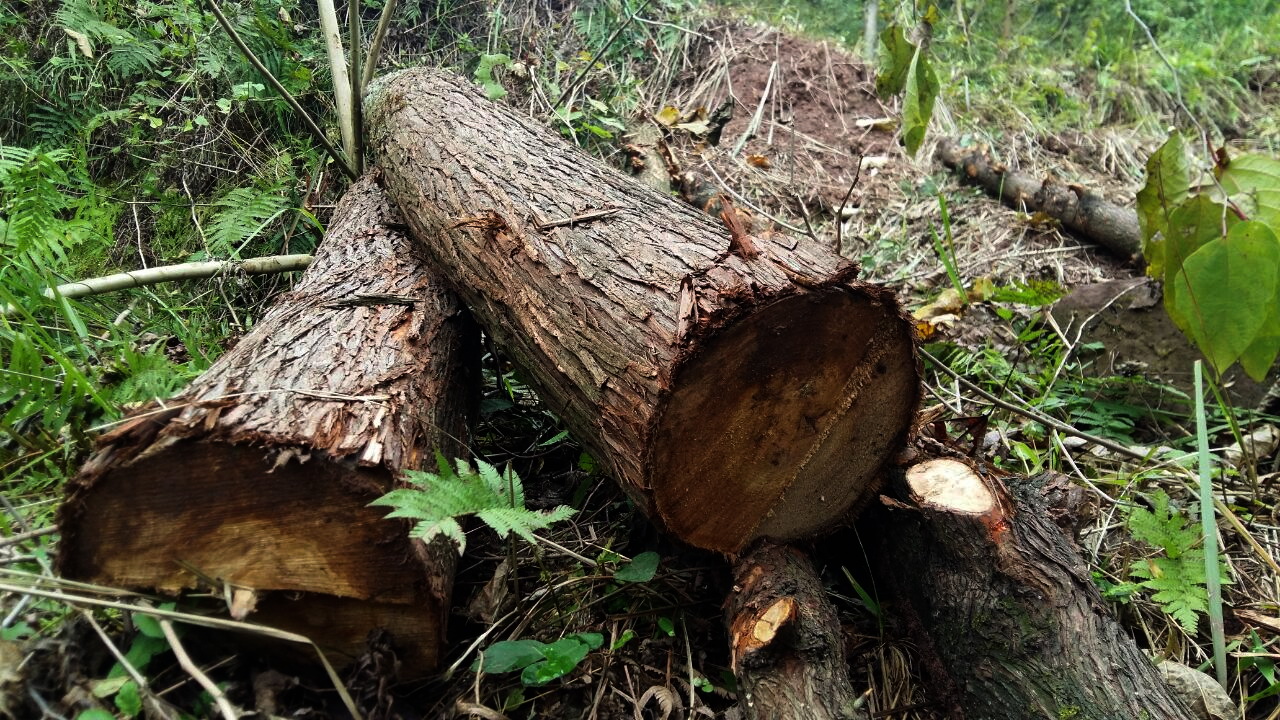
(1002, 605)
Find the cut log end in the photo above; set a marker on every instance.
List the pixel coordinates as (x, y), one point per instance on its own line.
(950, 485)
(298, 536)
(779, 426)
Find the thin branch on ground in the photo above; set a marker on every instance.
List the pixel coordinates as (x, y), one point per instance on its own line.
(167, 273)
(228, 711)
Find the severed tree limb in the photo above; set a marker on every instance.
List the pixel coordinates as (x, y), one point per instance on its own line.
(1078, 209)
(1002, 604)
(785, 640)
(168, 273)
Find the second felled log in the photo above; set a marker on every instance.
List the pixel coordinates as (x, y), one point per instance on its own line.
(737, 387)
(256, 479)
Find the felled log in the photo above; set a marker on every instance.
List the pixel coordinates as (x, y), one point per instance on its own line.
(1002, 604)
(786, 646)
(1080, 210)
(736, 387)
(257, 477)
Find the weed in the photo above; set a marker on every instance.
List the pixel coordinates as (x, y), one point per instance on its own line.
(438, 500)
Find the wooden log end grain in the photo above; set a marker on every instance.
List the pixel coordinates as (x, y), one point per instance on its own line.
(255, 480)
(778, 427)
(733, 395)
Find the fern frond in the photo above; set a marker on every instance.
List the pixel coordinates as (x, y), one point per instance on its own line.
(243, 214)
(437, 501)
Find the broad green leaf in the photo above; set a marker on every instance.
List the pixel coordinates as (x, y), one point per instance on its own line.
(108, 687)
(129, 700)
(562, 656)
(1191, 225)
(510, 655)
(895, 61)
(95, 714)
(148, 625)
(917, 104)
(1261, 355)
(640, 569)
(1226, 291)
(1168, 182)
(1252, 182)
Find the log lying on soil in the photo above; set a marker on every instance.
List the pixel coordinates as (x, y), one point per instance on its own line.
(785, 639)
(258, 475)
(1080, 210)
(1001, 599)
(733, 394)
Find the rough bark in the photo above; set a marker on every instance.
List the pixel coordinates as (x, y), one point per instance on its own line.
(733, 395)
(785, 639)
(1078, 209)
(259, 474)
(1003, 605)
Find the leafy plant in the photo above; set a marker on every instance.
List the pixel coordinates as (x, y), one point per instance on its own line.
(641, 569)
(1217, 249)
(1175, 577)
(906, 69)
(118, 684)
(484, 75)
(438, 500)
(539, 662)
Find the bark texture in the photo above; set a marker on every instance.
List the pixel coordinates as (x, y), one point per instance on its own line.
(1078, 209)
(259, 474)
(734, 395)
(787, 647)
(1001, 601)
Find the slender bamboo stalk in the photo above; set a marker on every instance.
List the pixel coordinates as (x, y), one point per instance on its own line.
(375, 45)
(168, 273)
(338, 68)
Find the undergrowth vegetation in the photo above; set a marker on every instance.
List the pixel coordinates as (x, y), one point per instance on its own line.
(1048, 67)
(134, 134)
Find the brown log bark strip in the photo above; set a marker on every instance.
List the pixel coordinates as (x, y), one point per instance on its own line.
(785, 639)
(1079, 210)
(258, 475)
(1001, 599)
(732, 397)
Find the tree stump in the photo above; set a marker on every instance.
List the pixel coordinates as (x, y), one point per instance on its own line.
(785, 640)
(737, 387)
(1001, 601)
(258, 476)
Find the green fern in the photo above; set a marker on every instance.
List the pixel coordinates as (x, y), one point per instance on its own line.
(438, 500)
(242, 215)
(1176, 578)
(31, 204)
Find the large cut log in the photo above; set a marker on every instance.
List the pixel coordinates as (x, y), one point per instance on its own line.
(1080, 210)
(1002, 604)
(736, 387)
(785, 640)
(259, 474)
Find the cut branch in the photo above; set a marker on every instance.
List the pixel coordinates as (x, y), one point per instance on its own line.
(1079, 210)
(785, 639)
(1002, 604)
(169, 273)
